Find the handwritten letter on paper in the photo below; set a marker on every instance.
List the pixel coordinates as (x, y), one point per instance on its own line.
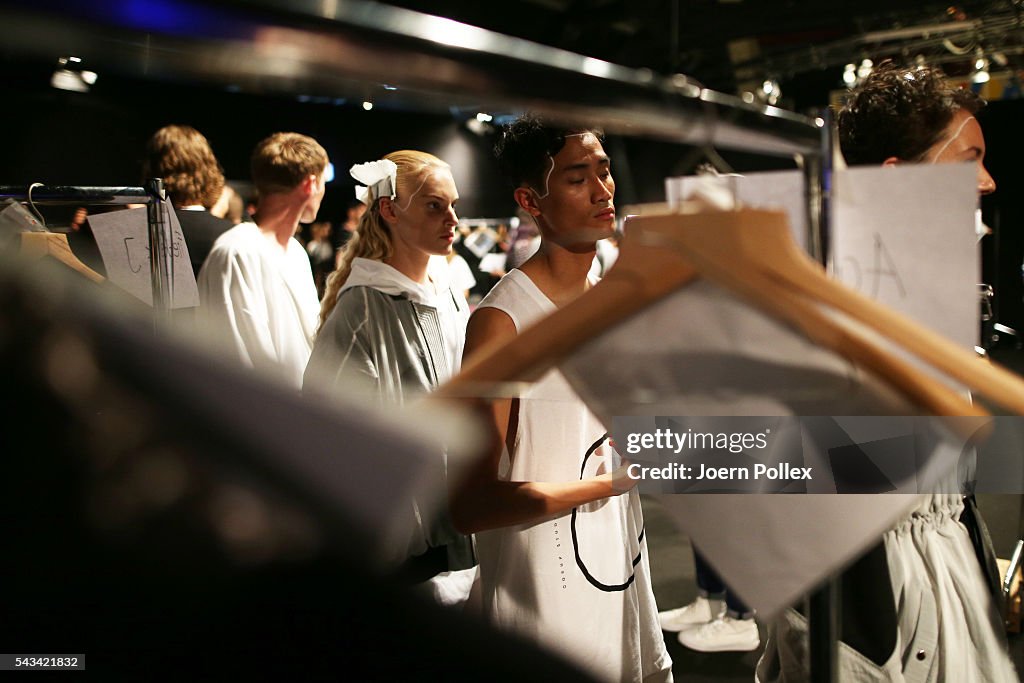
(905, 236)
(123, 240)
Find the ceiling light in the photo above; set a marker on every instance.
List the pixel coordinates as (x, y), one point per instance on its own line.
(770, 91)
(65, 79)
(850, 75)
(980, 74)
(864, 70)
(484, 118)
(367, 105)
(67, 76)
(477, 126)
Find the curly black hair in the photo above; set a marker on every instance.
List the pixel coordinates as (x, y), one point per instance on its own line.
(524, 146)
(899, 112)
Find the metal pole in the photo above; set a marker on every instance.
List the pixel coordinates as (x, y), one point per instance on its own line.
(72, 194)
(818, 192)
(823, 618)
(160, 262)
(825, 605)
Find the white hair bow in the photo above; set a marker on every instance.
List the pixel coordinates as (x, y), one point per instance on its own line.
(380, 178)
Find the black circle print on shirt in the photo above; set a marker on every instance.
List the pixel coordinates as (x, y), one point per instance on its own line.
(607, 587)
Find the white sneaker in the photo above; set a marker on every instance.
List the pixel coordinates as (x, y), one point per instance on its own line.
(700, 611)
(724, 634)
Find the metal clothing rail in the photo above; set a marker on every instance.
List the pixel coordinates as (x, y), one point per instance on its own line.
(356, 48)
(151, 195)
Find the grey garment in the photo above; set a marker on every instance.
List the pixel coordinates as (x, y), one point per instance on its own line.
(392, 350)
(947, 631)
(386, 345)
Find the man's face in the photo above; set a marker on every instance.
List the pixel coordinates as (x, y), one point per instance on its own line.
(963, 141)
(576, 207)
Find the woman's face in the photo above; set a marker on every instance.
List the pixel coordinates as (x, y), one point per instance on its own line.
(963, 141)
(425, 222)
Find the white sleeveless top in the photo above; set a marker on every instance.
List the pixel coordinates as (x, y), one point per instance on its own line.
(579, 582)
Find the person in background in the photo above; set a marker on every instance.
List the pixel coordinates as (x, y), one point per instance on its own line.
(353, 213)
(194, 183)
(924, 603)
(717, 620)
(79, 218)
(321, 254)
(563, 556)
(392, 326)
(524, 241)
(230, 206)
(256, 288)
(461, 274)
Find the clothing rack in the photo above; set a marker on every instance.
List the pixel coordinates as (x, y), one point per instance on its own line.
(151, 195)
(355, 47)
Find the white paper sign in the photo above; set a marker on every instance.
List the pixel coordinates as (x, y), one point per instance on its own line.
(777, 190)
(123, 240)
(905, 236)
(916, 256)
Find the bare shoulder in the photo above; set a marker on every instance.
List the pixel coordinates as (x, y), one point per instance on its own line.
(488, 326)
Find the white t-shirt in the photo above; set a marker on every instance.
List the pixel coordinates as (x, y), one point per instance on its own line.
(260, 298)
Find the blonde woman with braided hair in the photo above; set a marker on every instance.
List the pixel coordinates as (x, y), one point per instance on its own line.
(391, 325)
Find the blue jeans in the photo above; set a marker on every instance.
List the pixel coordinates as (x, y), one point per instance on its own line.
(711, 586)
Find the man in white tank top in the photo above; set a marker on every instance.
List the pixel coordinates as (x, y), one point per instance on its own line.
(563, 556)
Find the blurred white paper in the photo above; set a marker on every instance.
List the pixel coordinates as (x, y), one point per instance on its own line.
(918, 257)
(770, 549)
(779, 190)
(774, 549)
(123, 241)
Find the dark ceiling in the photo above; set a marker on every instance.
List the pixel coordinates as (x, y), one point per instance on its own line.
(727, 44)
(732, 46)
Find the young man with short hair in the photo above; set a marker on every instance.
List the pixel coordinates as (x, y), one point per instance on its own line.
(563, 558)
(256, 286)
(926, 601)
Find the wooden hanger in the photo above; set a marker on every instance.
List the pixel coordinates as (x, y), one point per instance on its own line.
(37, 245)
(762, 241)
(752, 253)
